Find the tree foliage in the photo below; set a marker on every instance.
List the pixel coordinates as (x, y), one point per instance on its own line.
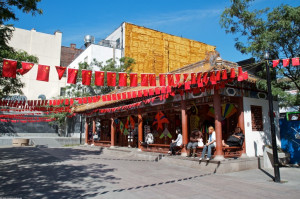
(275, 31)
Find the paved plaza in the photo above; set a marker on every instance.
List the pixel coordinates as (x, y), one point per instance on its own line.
(93, 172)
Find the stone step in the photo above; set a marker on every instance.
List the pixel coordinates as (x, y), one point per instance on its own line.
(45, 142)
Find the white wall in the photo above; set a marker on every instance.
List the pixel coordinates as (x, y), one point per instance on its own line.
(47, 48)
(255, 140)
(119, 33)
(100, 53)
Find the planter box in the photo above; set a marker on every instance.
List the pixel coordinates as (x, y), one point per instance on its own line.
(20, 142)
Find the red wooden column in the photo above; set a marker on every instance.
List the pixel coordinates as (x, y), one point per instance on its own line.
(112, 133)
(140, 129)
(219, 155)
(184, 124)
(94, 125)
(241, 123)
(86, 130)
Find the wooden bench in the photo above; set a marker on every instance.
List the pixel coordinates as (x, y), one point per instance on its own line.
(161, 148)
(229, 152)
(102, 143)
(232, 151)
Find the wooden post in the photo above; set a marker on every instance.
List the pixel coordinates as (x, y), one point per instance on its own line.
(86, 130)
(241, 123)
(112, 133)
(140, 129)
(219, 155)
(184, 123)
(94, 125)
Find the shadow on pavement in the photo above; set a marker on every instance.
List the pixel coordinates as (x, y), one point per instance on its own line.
(33, 173)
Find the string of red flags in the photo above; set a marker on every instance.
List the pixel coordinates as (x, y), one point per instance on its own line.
(60, 71)
(147, 79)
(286, 62)
(26, 66)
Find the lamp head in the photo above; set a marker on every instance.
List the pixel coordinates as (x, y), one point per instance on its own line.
(266, 55)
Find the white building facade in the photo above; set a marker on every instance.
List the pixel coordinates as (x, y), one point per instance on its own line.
(97, 52)
(47, 48)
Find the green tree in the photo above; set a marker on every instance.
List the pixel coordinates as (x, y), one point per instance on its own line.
(268, 30)
(9, 85)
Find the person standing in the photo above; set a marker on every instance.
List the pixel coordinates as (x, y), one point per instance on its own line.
(176, 142)
(211, 143)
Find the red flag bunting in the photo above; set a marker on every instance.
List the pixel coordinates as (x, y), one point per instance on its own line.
(26, 66)
(245, 75)
(99, 78)
(60, 71)
(295, 61)
(108, 97)
(232, 73)
(122, 79)
(275, 62)
(114, 96)
(134, 94)
(133, 79)
(119, 96)
(86, 77)
(151, 91)
(152, 79)
(144, 79)
(187, 85)
(157, 90)
(162, 79)
(185, 76)
(72, 75)
(43, 73)
(140, 93)
(204, 78)
(170, 79)
(218, 76)
(224, 74)
(145, 92)
(129, 95)
(240, 74)
(111, 78)
(285, 62)
(193, 78)
(9, 68)
(212, 78)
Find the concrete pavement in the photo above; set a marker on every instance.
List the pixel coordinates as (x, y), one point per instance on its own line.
(92, 172)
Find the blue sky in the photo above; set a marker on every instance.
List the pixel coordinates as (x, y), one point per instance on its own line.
(192, 19)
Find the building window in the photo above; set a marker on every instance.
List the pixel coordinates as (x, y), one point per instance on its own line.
(86, 59)
(62, 91)
(257, 118)
(118, 43)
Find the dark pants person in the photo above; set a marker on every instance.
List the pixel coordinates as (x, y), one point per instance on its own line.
(172, 147)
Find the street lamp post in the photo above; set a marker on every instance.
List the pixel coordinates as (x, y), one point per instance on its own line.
(273, 134)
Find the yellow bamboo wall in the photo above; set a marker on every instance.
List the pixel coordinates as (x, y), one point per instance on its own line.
(158, 52)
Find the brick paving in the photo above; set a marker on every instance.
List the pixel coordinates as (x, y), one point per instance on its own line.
(86, 172)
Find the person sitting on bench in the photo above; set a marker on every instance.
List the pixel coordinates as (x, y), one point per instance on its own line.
(176, 142)
(149, 139)
(211, 143)
(195, 137)
(236, 139)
